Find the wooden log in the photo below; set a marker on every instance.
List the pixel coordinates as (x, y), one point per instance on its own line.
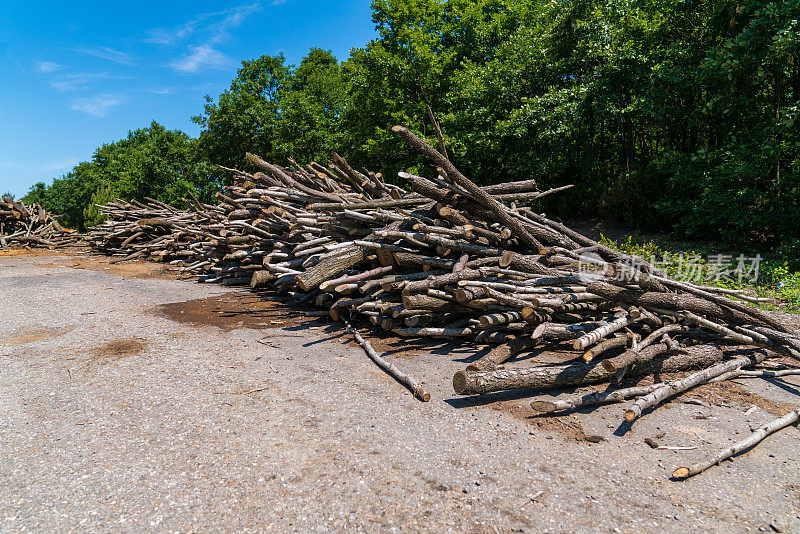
(499, 318)
(619, 342)
(522, 186)
(529, 264)
(414, 385)
(461, 264)
(365, 275)
(566, 332)
(503, 353)
(759, 317)
(330, 266)
(423, 301)
(570, 402)
(789, 340)
(670, 301)
(261, 279)
(507, 300)
(373, 204)
(742, 373)
(431, 282)
(544, 377)
(761, 340)
(671, 389)
(442, 332)
(749, 442)
(480, 195)
(596, 335)
(637, 354)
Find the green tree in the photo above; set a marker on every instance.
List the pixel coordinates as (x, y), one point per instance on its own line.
(663, 113)
(276, 111)
(243, 118)
(103, 195)
(311, 103)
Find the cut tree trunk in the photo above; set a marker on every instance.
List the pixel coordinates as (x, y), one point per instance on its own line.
(543, 377)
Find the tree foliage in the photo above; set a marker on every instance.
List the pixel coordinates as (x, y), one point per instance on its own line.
(662, 112)
(276, 111)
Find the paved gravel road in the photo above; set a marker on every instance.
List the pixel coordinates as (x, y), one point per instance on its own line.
(117, 415)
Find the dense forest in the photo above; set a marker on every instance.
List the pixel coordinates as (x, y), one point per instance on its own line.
(670, 114)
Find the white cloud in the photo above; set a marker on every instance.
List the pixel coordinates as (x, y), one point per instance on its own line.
(278, 2)
(166, 36)
(207, 30)
(160, 91)
(60, 165)
(98, 105)
(214, 26)
(199, 58)
(46, 67)
(74, 81)
(107, 53)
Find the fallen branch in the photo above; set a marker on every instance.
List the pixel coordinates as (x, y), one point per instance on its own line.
(389, 367)
(751, 441)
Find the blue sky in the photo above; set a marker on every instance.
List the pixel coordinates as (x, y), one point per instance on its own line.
(75, 75)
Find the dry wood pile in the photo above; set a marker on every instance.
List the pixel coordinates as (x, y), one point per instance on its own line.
(450, 259)
(153, 230)
(31, 225)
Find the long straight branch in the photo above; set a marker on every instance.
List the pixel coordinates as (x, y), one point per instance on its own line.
(413, 384)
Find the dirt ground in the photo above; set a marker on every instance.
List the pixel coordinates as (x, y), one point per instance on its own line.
(132, 400)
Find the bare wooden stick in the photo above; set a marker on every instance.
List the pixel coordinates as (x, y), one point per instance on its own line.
(570, 402)
(412, 384)
(670, 389)
(438, 130)
(596, 335)
(750, 441)
(542, 377)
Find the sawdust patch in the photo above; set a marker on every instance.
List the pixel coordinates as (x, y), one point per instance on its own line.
(31, 335)
(133, 269)
(12, 252)
(569, 429)
(728, 392)
(117, 349)
(234, 310)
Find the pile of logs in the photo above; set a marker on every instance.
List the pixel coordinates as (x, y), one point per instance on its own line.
(450, 259)
(31, 225)
(153, 231)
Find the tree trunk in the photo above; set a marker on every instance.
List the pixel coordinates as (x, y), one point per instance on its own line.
(542, 377)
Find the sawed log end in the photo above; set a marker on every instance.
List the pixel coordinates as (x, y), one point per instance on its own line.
(460, 382)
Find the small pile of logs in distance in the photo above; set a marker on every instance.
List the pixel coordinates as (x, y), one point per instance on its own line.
(450, 259)
(31, 225)
(154, 231)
